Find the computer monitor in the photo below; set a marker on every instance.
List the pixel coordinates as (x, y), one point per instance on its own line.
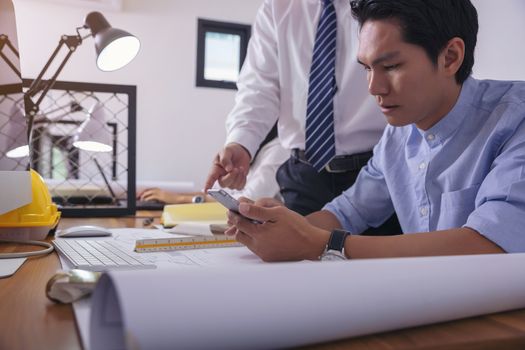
(15, 181)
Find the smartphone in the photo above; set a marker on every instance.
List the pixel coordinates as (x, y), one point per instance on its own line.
(229, 202)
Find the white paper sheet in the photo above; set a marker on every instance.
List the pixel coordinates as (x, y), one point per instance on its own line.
(15, 187)
(180, 259)
(195, 228)
(9, 266)
(283, 305)
(165, 261)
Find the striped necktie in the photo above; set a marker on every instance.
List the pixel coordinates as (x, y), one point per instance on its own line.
(320, 140)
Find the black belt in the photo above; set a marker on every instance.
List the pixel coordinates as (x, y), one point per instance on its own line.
(338, 164)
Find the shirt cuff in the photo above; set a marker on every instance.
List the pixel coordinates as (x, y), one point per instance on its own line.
(347, 215)
(246, 139)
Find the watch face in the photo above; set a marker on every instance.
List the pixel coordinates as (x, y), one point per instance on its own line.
(198, 199)
(333, 255)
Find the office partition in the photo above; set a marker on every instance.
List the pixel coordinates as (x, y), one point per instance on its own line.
(87, 181)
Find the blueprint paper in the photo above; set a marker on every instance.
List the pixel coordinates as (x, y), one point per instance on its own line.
(283, 305)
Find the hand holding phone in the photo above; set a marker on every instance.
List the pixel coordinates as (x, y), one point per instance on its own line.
(229, 202)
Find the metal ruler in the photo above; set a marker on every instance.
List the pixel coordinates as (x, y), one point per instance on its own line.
(180, 243)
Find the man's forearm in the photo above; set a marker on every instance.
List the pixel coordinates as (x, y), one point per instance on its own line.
(458, 241)
(324, 219)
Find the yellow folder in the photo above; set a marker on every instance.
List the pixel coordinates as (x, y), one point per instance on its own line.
(212, 213)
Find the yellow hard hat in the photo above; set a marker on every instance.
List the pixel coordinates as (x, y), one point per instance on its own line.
(39, 216)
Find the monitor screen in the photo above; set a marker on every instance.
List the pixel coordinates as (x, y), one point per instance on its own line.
(13, 129)
(15, 184)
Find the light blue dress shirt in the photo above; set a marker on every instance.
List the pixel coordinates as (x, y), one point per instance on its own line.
(468, 170)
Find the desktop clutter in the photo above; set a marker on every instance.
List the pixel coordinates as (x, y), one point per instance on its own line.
(28, 224)
(433, 289)
(90, 250)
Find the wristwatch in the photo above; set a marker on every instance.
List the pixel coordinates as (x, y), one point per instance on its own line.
(335, 249)
(198, 199)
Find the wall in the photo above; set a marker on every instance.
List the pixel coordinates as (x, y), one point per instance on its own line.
(500, 50)
(180, 127)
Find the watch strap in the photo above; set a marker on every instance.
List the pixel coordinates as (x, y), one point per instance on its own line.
(337, 240)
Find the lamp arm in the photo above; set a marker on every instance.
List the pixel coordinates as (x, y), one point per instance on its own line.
(4, 41)
(43, 86)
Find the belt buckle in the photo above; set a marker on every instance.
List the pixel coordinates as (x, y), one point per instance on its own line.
(329, 169)
(299, 156)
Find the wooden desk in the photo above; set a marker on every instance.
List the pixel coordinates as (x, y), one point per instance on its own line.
(28, 320)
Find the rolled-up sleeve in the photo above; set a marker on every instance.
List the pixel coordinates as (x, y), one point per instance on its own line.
(500, 203)
(502, 223)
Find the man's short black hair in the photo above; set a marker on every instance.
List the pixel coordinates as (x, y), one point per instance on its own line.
(427, 23)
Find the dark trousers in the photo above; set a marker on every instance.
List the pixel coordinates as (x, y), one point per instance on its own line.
(305, 191)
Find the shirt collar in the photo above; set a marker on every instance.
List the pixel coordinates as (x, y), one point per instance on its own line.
(438, 133)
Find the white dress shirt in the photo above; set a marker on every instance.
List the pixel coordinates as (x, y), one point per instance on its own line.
(261, 181)
(273, 83)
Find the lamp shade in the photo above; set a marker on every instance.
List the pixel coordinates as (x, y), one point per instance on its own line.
(115, 47)
(16, 134)
(94, 134)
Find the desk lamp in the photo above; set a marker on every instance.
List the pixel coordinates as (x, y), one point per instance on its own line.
(115, 48)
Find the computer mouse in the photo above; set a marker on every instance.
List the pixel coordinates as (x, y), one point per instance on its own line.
(84, 231)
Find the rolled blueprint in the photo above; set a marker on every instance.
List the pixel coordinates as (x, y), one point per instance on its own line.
(283, 305)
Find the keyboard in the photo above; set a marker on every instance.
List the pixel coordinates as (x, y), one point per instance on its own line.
(98, 255)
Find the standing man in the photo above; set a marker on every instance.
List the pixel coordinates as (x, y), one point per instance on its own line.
(301, 70)
(451, 162)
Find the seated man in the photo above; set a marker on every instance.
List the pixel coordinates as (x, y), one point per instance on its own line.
(260, 181)
(451, 162)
